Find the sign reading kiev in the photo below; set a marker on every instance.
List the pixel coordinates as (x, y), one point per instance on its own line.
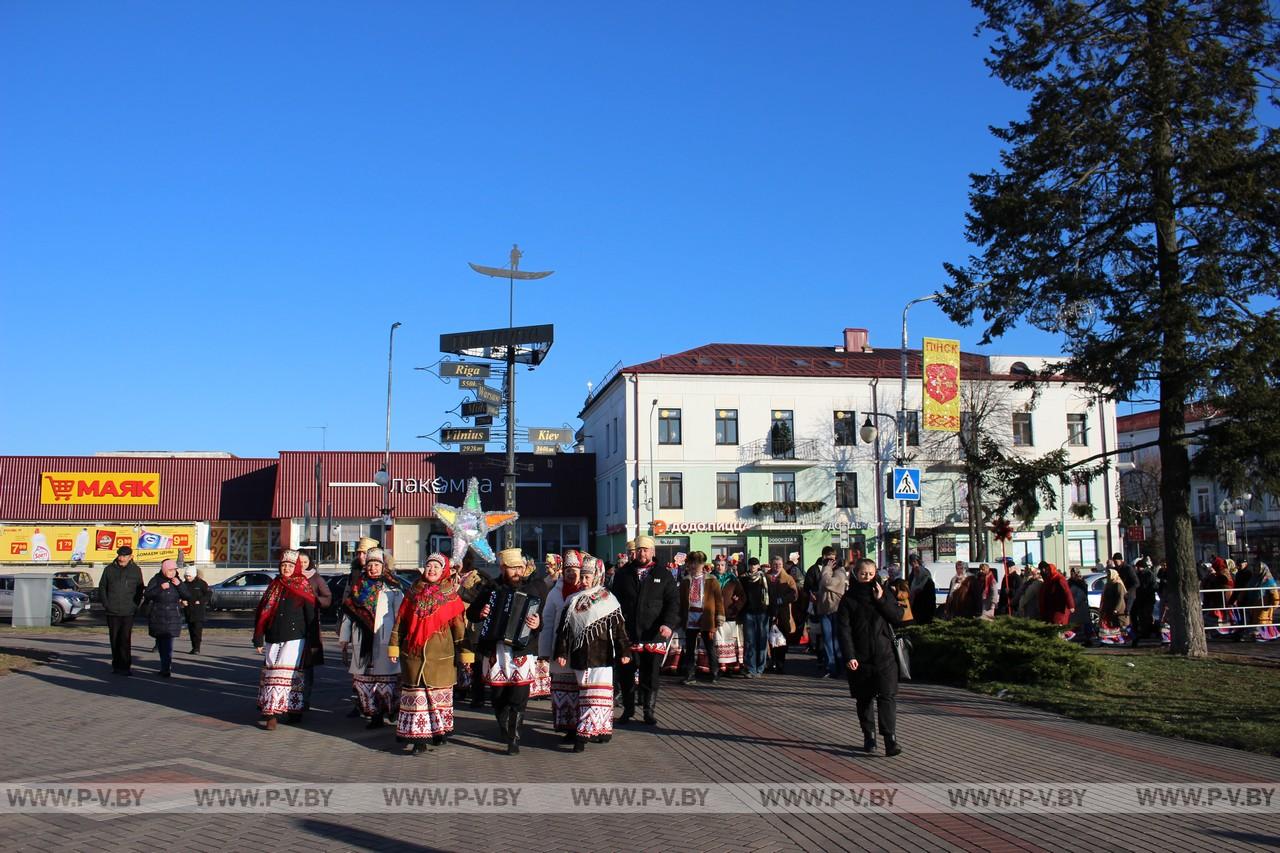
(460, 435)
(541, 435)
(96, 487)
(459, 369)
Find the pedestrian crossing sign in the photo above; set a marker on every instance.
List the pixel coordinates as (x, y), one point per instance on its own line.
(906, 484)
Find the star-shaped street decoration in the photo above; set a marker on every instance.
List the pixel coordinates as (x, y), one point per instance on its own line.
(469, 525)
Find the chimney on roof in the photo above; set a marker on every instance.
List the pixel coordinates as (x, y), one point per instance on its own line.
(855, 340)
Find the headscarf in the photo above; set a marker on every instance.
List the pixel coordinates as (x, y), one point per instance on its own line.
(360, 603)
(427, 609)
(295, 585)
(724, 577)
(589, 614)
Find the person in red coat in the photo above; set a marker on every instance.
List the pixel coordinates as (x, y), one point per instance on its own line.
(1056, 601)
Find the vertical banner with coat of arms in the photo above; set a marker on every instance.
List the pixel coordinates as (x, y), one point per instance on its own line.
(941, 378)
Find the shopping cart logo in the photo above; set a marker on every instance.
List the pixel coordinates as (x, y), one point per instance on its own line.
(93, 487)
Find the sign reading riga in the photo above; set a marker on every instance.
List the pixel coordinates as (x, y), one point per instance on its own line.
(96, 487)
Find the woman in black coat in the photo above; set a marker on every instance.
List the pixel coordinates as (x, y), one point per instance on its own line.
(196, 595)
(164, 614)
(865, 623)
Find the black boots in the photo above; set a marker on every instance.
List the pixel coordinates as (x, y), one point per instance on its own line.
(868, 743)
(891, 747)
(509, 728)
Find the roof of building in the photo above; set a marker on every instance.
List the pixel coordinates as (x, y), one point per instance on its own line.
(191, 488)
(777, 360)
(1150, 419)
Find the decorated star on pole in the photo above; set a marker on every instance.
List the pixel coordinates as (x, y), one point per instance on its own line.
(469, 524)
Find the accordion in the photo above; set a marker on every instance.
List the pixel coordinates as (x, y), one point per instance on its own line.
(505, 624)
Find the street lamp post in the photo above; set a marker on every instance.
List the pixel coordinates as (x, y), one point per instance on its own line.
(385, 479)
(902, 417)
(870, 434)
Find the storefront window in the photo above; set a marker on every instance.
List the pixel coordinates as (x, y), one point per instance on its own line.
(242, 544)
(668, 547)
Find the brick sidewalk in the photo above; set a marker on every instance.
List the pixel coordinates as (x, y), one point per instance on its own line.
(70, 720)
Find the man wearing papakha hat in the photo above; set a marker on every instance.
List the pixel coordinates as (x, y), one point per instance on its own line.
(651, 607)
(510, 669)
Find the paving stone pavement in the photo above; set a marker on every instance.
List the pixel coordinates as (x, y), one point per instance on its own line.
(71, 720)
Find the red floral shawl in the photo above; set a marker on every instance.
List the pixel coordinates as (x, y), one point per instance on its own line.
(428, 608)
(296, 585)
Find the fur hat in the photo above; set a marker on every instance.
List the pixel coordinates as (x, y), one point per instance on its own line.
(365, 543)
(631, 545)
(377, 554)
(511, 557)
(645, 542)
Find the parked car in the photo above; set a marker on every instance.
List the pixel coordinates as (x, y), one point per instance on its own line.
(241, 591)
(338, 587)
(80, 582)
(67, 603)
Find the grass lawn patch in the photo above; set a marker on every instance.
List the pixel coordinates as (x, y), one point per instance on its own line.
(1224, 700)
(14, 659)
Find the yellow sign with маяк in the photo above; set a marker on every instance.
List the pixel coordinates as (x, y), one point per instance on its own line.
(99, 487)
(95, 543)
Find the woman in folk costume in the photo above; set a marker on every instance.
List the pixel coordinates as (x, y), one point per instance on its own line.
(368, 617)
(729, 646)
(1266, 598)
(428, 628)
(1113, 615)
(564, 685)
(1215, 593)
(591, 637)
(286, 615)
(553, 568)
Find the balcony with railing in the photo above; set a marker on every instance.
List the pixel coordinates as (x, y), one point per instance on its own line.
(801, 513)
(781, 452)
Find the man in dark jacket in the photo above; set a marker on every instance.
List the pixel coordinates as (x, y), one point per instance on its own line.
(1128, 577)
(650, 604)
(510, 668)
(865, 623)
(120, 590)
(924, 596)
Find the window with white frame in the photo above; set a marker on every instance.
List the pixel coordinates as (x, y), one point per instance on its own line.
(1077, 429)
(1022, 436)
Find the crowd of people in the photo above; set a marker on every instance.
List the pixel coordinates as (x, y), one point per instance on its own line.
(592, 635)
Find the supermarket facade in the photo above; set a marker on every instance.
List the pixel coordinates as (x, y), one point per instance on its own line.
(229, 513)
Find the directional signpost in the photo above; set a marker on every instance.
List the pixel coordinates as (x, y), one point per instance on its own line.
(471, 448)
(461, 435)
(472, 410)
(463, 369)
(545, 450)
(485, 394)
(550, 435)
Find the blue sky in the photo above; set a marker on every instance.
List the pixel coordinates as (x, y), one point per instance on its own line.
(210, 213)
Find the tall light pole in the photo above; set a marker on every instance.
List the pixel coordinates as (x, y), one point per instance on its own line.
(902, 418)
(871, 435)
(385, 473)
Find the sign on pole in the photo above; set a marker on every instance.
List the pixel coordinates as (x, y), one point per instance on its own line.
(483, 420)
(941, 378)
(485, 394)
(550, 435)
(481, 409)
(460, 435)
(471, 448)
(906, 484)
(460, 369)
(545, 450)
